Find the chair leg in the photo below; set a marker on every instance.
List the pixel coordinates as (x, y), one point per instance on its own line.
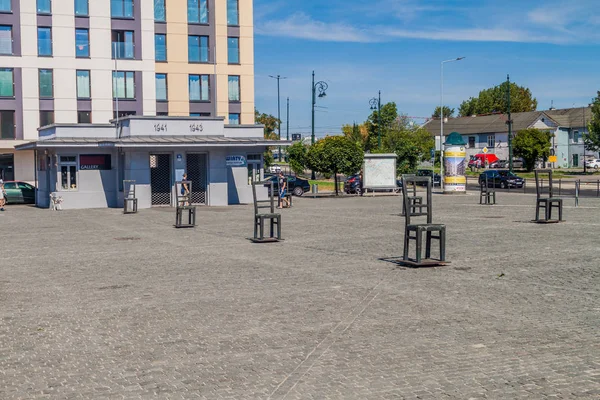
(560, 211)
(419, 245)
(428, 246)
(262, 228)
(279, 227)
(548, 211)
(537, 211)
(443, 244)
(406, 244)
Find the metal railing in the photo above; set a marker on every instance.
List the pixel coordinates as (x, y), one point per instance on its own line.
(562, 187)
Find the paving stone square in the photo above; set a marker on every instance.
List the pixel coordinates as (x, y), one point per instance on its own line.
(101, 305)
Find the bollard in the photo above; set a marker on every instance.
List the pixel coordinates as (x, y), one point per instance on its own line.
(315, 189)
(598, 188)
(577, 186)
(559, 185)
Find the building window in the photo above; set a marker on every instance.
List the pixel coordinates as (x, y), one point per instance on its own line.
(46, 84)
(233, 50)
(123, 85)
(44, 41)
(234, 88)
(162, 114)
(83, 84)
(6, 39)
(81, 8)
(46, 118)
(160, 14)
(160, 47)
(68, 172)
(575, 136)
(84, 117)
(199, 114)
(198, 11)
(121, 8)
(491, 141)
(471, 142)
(234, 119)
(122, 45)
(5, 6)
(233, 14)
(7, 125)
(82, 43)
(44, 6)
(123, 114)
(199, 88)
(161, 87)
(198, 49)
(7, 87)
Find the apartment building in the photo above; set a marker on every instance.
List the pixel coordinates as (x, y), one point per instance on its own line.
(89, 61)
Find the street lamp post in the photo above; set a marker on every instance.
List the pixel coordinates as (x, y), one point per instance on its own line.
(375, 104)
(442, 118)
(278, 77)
(322, 88)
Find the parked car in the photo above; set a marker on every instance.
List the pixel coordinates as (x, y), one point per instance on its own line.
(296, 185)
(274, 169)
(352, 184)
(436, 179)
(19, 192)
(501, 178)
(595, 163)
(480, 160)
(517, 163)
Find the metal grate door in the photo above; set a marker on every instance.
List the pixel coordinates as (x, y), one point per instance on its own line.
(196, 170)
(160, 179)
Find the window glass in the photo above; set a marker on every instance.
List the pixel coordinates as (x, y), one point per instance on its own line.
(492, 141)
(233, 50)
(232, 12)
(82, 42)
(160, 47)
(198, 11)
(81, 8)
(121, 8)
(5, 6)
(84, 117)
(234, 88)
(198, 48)
(234, 119)
(161, 87)
(10, 185)
(122, 44)
(159, 11)
(46, 118)
(44, 41)
(44, 6)
(83, 84)
(23, 185)
(68, 177)
(6, 39)
(199, 88)
(6, 83)
(46, 83)
(123, 85)
(7, 125)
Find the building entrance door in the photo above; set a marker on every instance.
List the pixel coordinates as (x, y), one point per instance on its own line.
(576, 160)
(196, 167)
(7, 167)
(160, 179)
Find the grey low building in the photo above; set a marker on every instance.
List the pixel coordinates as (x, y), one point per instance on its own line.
(86, 164)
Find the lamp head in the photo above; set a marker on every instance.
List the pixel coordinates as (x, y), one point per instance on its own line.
(322, 94)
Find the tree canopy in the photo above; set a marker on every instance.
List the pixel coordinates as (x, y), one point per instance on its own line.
(592, 139)
(389, 113)
(411, 143)
(297, 157)
(448, 112)
(334, 155)
(357, 133)
(270, 122)
(532, 145)
(494, 100)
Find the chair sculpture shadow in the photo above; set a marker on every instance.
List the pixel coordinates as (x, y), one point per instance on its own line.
(130, 201)
(184, 205)
(427, 228)
(487, 194)
(413, 198)
(546, 199)
(264, 210)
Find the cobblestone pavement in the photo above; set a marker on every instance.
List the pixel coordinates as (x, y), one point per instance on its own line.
(100, 305)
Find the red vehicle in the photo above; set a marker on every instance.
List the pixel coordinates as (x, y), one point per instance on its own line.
(482, 160)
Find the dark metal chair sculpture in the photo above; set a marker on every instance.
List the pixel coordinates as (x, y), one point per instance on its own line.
(547, 201)
(264, 210)
(183, 193)
(130, 201)
(413, 198)
(427, 228)
(487, 194)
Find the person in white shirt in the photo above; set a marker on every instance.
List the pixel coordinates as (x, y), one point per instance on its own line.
(2, 195)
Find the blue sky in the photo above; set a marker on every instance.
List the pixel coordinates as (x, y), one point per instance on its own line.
(359, 47)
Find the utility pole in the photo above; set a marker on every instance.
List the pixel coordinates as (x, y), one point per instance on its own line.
(278, 77)
(379, 121)
(583, 137)
(287, 121)
(313, 176)
(509, 122)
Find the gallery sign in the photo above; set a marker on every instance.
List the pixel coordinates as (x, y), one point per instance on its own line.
(235, 161)
(100, 162)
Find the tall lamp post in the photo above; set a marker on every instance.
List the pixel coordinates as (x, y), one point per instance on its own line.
(442, 118)
(278, 77)
(583, 137)
(375, 104)
(321, 87)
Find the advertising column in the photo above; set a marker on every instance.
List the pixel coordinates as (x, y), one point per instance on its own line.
(455, 164)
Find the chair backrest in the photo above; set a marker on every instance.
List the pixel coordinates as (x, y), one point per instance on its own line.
(409, 186)
(540, 176)
(263, 204)
(183, 198)
(129, 189)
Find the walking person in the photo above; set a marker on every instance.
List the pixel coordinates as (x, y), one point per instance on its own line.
(282, 190)
(2, 195)
(185, 190)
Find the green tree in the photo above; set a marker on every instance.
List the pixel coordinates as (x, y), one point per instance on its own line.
(532, 145)
(411, 143)
(448, 112)
(494, 100)
(335, 155)
(297, 154)
(356, 133)
(389, 114)
(592, 139)
(270, 123)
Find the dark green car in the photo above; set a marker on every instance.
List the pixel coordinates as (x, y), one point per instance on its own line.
(19, 193)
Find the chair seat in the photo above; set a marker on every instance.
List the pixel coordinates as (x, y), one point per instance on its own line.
(268, 215)
(550, 200)
(426, 227)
